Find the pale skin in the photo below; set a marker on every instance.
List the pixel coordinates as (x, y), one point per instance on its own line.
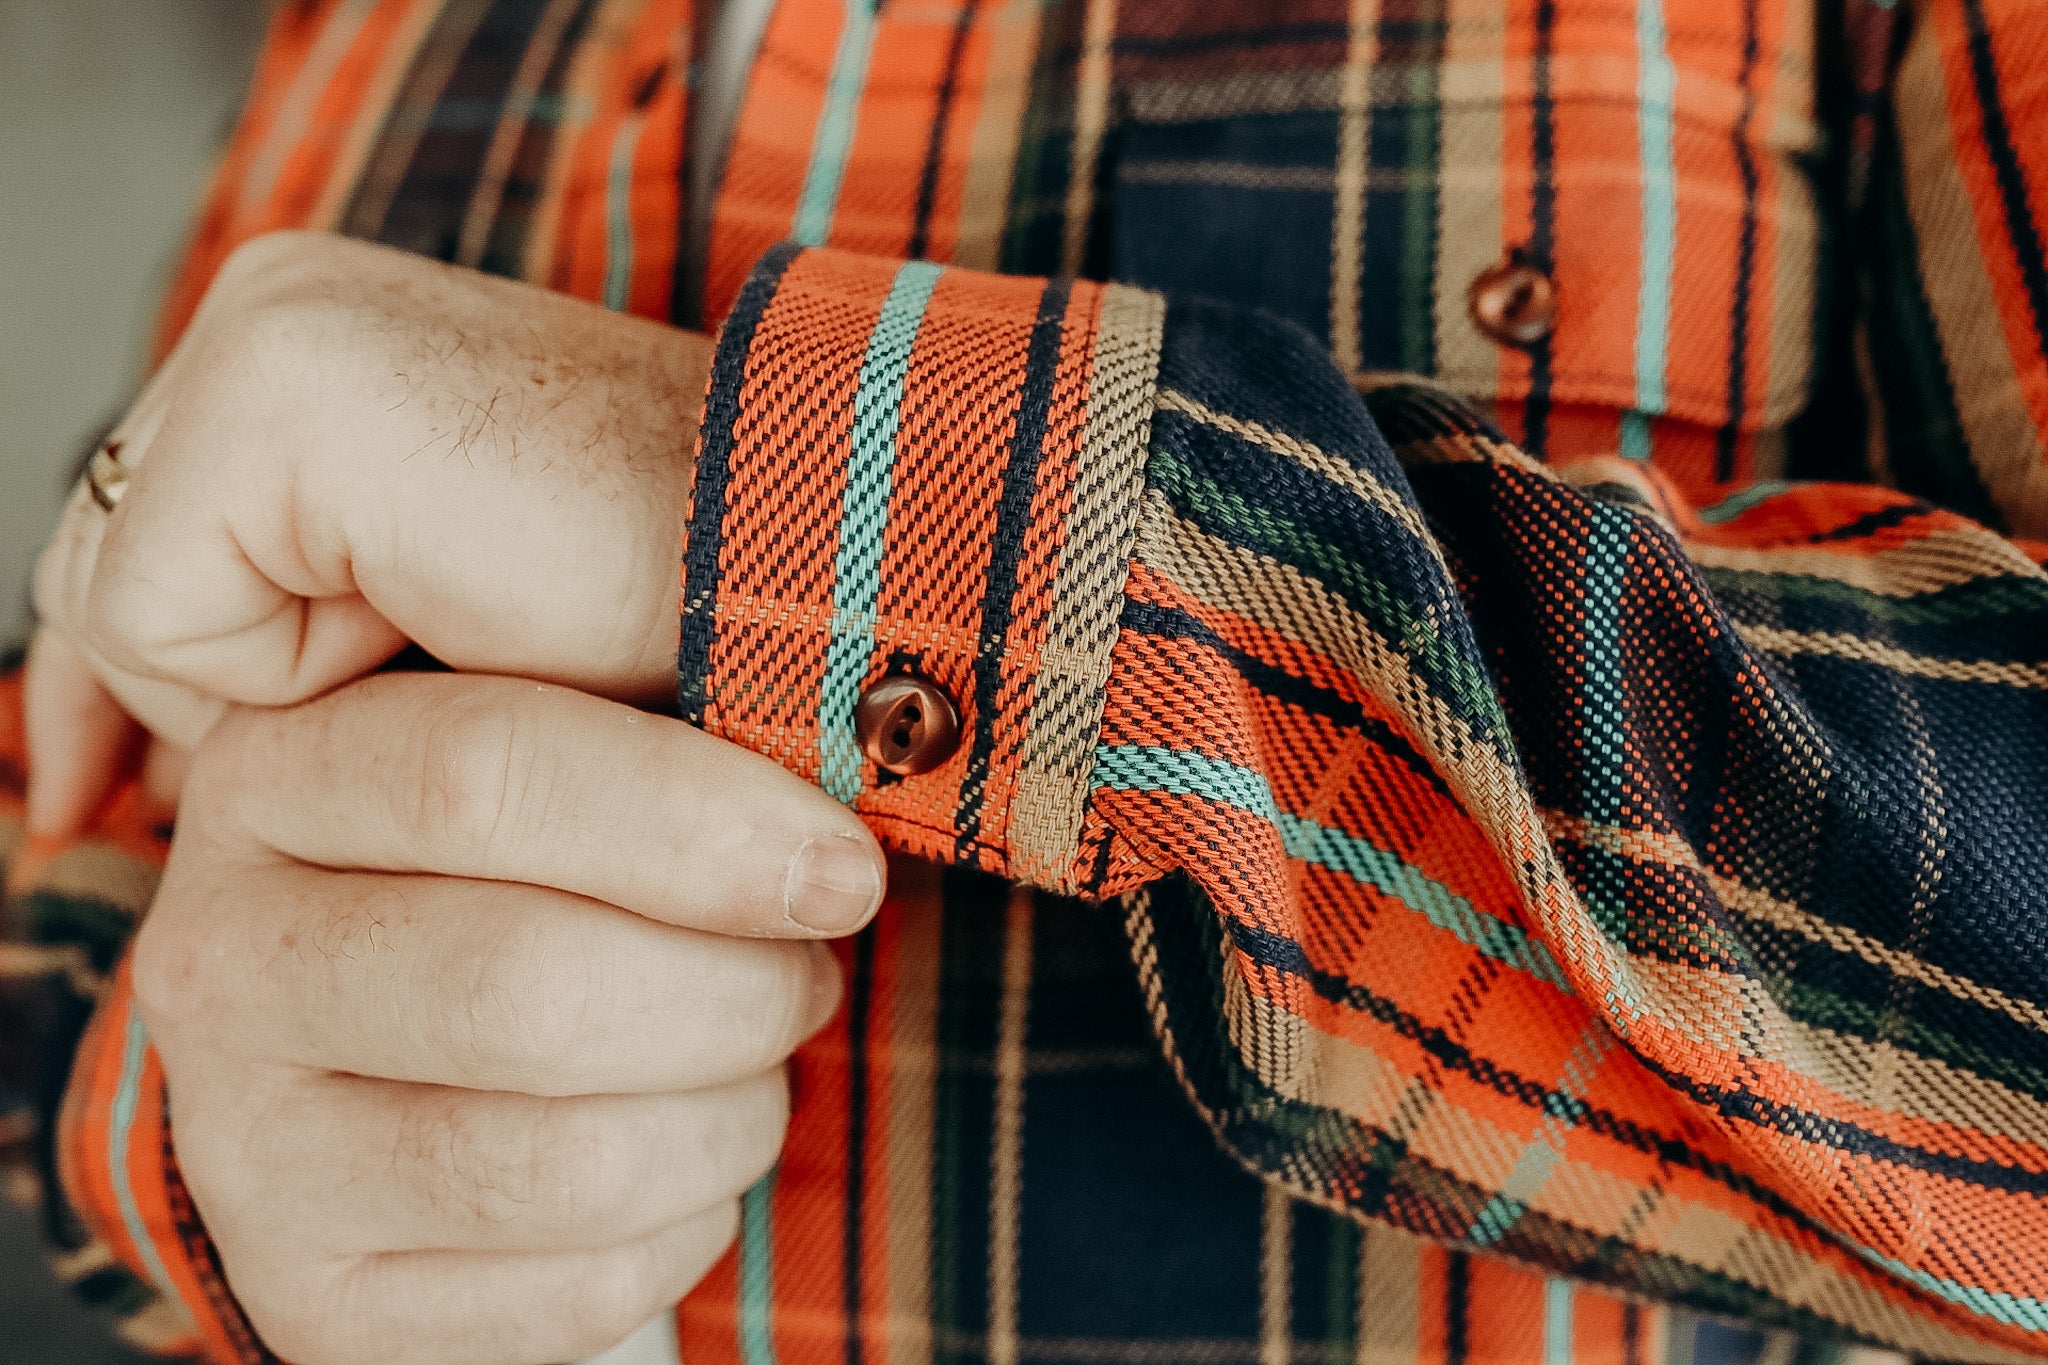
(473, 993)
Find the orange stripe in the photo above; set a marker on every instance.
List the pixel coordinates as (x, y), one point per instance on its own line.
(771, 143)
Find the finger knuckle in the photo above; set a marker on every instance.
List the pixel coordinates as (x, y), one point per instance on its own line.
(177, 957)
(740, 1139)
(773, 1017)
(604, 1309)
(482, 770)
(524, 1011)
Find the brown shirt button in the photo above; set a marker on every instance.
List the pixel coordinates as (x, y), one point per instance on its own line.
(906, 725)
(1514, 303)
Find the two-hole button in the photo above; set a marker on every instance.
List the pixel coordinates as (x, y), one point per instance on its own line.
(906, 725)
(1514, 303)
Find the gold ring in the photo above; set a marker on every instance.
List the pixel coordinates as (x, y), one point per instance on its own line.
(106, 478)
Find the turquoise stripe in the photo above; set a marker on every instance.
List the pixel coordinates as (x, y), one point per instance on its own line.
(133, 1054)
(1600, 719)
(1655, 88)
(834, 137)
(757, 1272)
(1503, 1211)
(1133, 767)
(2014, 1309)
(618, 273)
(864, 515)
(1735, 504)
(1557, 1321)
(1563, 1108)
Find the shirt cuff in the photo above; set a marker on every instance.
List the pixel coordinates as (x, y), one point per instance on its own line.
(913, 470)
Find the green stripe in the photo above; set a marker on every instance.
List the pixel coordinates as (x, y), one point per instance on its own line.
(863, 523)
(1735, 504)
(834, 136)
(1412, 622)
(1175, 772)
(1999, 599)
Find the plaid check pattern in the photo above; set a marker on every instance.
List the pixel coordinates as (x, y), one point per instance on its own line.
(1452, 859)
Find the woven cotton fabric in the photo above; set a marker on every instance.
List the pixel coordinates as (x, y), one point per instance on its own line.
(1458, 854)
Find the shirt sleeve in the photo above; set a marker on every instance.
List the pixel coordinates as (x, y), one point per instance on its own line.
(84, 1130)
(1515, 855)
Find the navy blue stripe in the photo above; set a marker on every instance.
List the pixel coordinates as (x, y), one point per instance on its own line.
(425, 215)
(1285, 687)
(713, 477)
(1543, 219)
(1883, 519)
(1745, 257)
(859, 992)
(935, 146)
(1013, 516)
(2012, 184)
(1457, 1307)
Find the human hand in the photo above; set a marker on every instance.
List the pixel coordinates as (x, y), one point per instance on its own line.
(472, 997)
(350, 448)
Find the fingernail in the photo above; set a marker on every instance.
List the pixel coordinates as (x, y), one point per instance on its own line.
(833, 885)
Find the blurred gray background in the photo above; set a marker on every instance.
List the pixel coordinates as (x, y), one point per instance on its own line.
(110, 113)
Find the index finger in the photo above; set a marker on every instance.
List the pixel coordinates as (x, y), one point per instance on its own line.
(506, 780)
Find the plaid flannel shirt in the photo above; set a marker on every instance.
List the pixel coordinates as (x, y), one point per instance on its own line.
(1453, 856)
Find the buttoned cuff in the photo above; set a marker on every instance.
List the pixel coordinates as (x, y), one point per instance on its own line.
(914, 471)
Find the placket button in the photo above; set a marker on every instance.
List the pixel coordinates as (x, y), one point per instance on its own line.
(1514, 303)
(906, 725)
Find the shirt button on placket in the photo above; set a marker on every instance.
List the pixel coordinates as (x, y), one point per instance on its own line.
(1514, 304)
(906, 725)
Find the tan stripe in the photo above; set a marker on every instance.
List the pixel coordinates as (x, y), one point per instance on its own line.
(1071, 685)
(72, 1266)
(1091, 118)
(1468, 164)
(1673, 851)
(1389, 1317)
(1006, 1161)
(1956, 283)
(1311, 457)
(913, 1075)
(295, 112)
(998, 131)
(103, 873)
(397, 130)
(1772, 640)
(352, 168)
(1347, 237)
(157, 1327)
(23, 961)
(515, 117)
(1795, 229)
(597, 56)
(1929, 564)
(1276, 1277)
